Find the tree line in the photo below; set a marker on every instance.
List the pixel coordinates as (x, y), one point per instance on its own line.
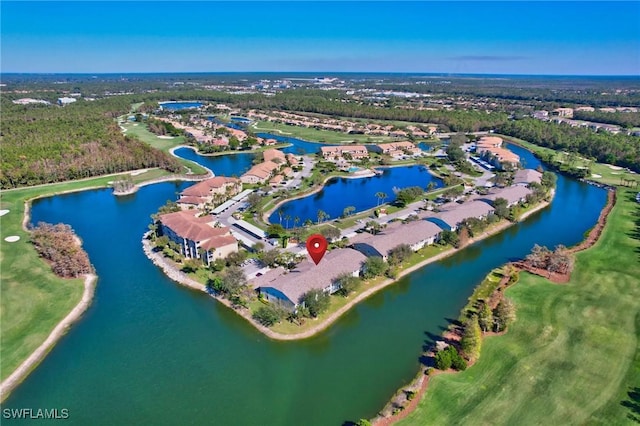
(619, 149)
(44, 144)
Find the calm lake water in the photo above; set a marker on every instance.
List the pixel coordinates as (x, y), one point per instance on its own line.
(298, 146)
(221, 165)
(175, 106)
(151, 352)
(339, 193)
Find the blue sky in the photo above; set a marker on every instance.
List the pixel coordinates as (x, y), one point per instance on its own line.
(579, 38)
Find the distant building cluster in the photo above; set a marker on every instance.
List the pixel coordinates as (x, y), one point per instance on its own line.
(275, 168)
(490, 150)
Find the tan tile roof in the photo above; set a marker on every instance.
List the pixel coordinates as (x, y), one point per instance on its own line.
(272, 154)
(187, 225)
(218, 242)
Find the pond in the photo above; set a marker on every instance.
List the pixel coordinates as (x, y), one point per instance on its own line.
(360, 193)
(176, 106)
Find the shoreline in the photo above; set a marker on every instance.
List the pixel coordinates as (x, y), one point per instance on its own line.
(265, 215)
(33, 360)
(175, 275)
(230, 152)
(420, 382)
(29, 364)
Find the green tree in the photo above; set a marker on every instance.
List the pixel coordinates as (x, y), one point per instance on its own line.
(548, 179)
(330, 233)
(443, 359)
(275, 230)
(505, 314)
(373, 227)
(407, 195)
(269, 315)
(501, 208)
(348, 211)
(374, 266)
(485, 318)
(449, 237)
(399, 254)
(322, 216)
(190, 265)
(348, 283)
(471, 338)
(253, 200)
(269, 257)
(381, 196)
(317, 301)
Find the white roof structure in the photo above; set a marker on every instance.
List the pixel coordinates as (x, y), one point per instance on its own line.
(259, 233)
(222, 207)
(244, 194)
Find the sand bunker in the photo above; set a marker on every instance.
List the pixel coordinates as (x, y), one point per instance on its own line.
(3, 212)
(139, 172)
(595, 175)
(615, 167)
(165, 137)
(12, 239)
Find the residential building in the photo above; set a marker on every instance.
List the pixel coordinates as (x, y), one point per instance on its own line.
(287, 288)
(563, 112)
(337, 152)
(490, 150)
(513, 194)
(416, 234)
(214, 190)
(260, 173)
(526, 176)
(398, 149)
(274, 155)
(198, 237)
(451, 215)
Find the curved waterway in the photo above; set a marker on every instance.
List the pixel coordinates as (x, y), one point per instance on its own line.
(151, 352)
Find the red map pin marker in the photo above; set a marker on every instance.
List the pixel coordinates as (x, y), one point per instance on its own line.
(316, 246)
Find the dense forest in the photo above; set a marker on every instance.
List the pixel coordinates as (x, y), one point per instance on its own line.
(43, 144)
(624, 119)
(621, 150)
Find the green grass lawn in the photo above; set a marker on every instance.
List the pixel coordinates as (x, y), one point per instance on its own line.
(572, 356)
(33, 299)
(314, 135)
(140, 131)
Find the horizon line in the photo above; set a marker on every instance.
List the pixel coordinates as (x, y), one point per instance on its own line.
(443, 73)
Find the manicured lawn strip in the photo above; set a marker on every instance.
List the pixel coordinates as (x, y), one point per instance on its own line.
(314, 135)
(572, 354)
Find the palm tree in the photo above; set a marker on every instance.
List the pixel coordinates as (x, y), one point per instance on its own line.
(380, 196)
(431, 186)
(287, 218)
(322, 215)
(296, 221)
(280, 213)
